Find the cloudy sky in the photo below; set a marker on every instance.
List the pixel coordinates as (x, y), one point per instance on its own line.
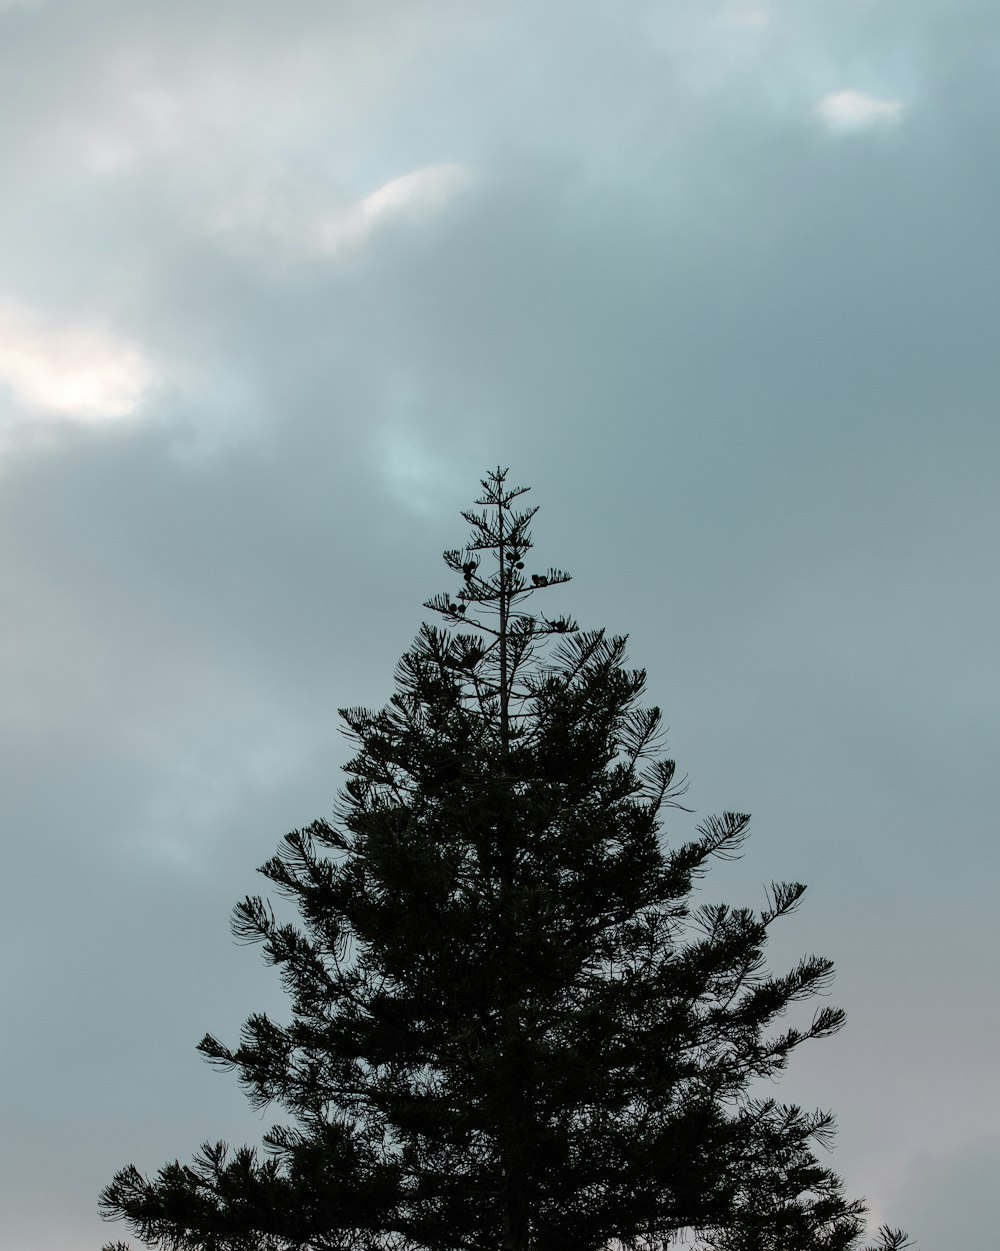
(279, 283)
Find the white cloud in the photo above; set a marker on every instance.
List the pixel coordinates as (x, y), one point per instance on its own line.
(83, 373)
(289, 219)
(424, 189)
(848, 110)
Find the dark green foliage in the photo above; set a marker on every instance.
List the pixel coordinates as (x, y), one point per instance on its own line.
(510, 1028)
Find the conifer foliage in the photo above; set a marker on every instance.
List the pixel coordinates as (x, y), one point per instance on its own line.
(511, 1028)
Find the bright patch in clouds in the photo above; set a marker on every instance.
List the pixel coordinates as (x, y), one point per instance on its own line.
(82, 373)
(420, 476)
(427, 188)
(747, 13)
(848, 110)
(290, 223)
(148, 121)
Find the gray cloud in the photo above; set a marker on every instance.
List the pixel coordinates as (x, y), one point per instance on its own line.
(953, 1197)
(745, 359)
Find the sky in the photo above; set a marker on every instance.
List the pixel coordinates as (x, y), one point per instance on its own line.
(718, 279)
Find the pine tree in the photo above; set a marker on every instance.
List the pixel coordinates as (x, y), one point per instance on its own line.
(511, 1028)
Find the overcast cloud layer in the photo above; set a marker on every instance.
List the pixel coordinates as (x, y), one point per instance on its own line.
(278, 284)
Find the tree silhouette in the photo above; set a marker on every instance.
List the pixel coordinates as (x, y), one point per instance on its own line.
(510, 1026)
